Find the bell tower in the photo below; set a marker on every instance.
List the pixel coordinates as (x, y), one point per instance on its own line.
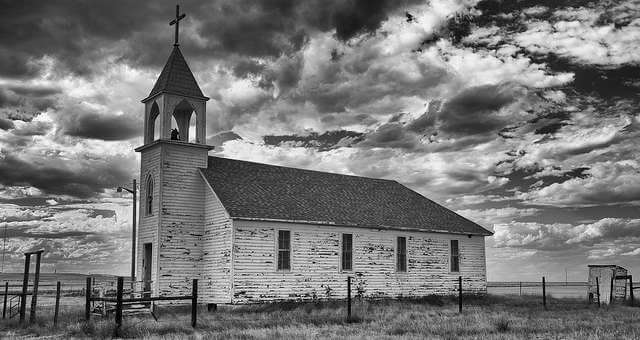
(171, 219)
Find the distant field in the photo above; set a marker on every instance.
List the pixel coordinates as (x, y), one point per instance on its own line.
(491, 317)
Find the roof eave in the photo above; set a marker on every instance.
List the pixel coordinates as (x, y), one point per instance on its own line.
(153, 95)
(329, 223)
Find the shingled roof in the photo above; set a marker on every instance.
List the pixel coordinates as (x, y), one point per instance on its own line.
(268, 192)
(176, 78)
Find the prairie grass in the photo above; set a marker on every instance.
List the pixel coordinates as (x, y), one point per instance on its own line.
(489, 317)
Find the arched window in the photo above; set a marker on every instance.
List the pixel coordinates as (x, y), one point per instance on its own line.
(154, 126)
(149, 195)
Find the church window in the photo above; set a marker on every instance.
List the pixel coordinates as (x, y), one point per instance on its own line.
(347, 251)
(455, 256)
(149, 196)
(401, 254)
(284, 250)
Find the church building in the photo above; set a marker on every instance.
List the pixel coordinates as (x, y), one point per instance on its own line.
(252, 232)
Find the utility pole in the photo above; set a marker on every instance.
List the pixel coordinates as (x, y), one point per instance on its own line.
(134, 192)
(4, 245)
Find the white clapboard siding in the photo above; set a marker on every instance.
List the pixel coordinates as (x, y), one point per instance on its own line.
(182, 217)
(176, 226)
(316, 255)
(150, 160)
(216, 270)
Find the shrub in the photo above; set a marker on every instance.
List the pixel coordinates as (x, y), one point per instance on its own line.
(502, 324)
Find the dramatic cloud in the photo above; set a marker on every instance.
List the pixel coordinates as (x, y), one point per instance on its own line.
(82, 178)
(521, 115)
(105, 127)
(606, 183)
(558, 237)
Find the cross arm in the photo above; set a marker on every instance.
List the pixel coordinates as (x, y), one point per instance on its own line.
(174, 21)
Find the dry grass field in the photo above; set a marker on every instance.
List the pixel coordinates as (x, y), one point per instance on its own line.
(491, 317)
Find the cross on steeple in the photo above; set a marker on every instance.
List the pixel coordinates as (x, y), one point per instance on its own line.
(176, 22)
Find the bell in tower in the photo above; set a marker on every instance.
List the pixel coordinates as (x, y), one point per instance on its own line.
(176, 95)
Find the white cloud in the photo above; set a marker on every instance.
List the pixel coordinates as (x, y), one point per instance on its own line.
(608, 183)
(489, 217)
(560, 236)
(577, 36)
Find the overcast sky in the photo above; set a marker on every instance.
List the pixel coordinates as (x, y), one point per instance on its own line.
(522, 116)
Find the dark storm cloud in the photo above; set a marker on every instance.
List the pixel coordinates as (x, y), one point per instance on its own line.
(76, 33)
(61, 180)
(356, 16)
(244, 67)
(471, 111)
(105, 127)
(324, 141)
(603, 82)
(220, 138)
(470, 115)
(32, 232)
(23, 102)
(34, 91)
(6, 124)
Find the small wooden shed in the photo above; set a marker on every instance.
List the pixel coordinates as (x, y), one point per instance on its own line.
(611, 283)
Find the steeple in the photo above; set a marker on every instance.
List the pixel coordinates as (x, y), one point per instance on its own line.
(176, 78)
(175, 96)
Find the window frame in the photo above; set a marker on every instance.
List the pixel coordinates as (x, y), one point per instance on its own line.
(342, 253)
(452, 256)
(405, 263)
(150, 187)
(278, 249)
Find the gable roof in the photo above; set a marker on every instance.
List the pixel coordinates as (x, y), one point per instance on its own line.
(176, 78)
(267, 192)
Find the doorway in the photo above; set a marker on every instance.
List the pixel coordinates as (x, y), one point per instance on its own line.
(147, 261)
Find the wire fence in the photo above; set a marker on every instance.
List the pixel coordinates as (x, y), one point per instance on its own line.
(74, 294)
(565, 289)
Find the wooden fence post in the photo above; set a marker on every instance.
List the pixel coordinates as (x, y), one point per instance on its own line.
(348, 298)
(544, 294)
(87, 305)
(459, 294)
(611, 295)
(55, 315)
(34, 292)
(25, 285)
(194, 303)
(631, 289)
(598, 290)
(119, 302)
(6, 292)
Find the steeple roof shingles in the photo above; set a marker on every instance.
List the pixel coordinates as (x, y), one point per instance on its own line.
(176, 78)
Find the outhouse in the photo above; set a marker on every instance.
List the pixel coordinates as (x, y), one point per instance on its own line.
(611, 283)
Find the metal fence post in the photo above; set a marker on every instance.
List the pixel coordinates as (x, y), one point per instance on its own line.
(194, 303)
(544, 294)
(55, 315)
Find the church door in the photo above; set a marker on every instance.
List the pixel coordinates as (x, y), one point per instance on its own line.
(146, 265)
